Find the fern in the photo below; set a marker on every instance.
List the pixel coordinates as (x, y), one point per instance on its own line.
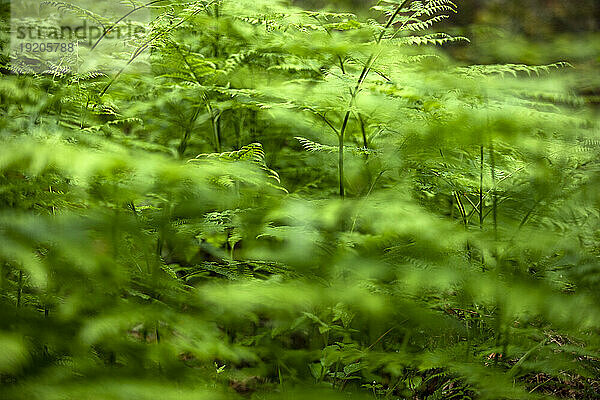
(512, 69)
(448, 251)
(433, 39)
(252, 152)
(311, 146)
(78, 11)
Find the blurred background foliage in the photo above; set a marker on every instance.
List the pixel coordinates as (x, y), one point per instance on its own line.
(350, 202)
(534, 18)
(518, 31)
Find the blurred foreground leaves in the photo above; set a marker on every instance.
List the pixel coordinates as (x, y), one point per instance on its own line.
(462, 262)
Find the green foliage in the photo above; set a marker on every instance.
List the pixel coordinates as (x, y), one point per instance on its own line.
(298, 204)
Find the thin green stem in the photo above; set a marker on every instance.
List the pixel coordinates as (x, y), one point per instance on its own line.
(361, 79)
(109, 29)
(494, 193)
(216, 124)
(341, 161)
(19, 289)
(337, 369)
(363, 132)
(481, 188)
(141, 49)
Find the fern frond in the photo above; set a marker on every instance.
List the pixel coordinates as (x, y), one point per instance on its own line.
(78, 11)
(114, 122)
(312, 147)
(512, 69)
(87, 76)
(253, 153)
(236, 59)
(432, 7)
(235, 270)
(413, 24)
(432, 39)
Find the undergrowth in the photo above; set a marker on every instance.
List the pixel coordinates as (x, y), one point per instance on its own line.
(298, 204)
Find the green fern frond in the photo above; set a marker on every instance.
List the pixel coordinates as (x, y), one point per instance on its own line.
(87, 76)
(432, 7)
(412, 24)
(236, 270)
(235, 60)
(311, 146)
(512, 69)
(115, 122)
(432, 39)
(78, 11)
(253, 153)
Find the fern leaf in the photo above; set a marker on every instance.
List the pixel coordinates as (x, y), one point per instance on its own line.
(311, 146)
(433, 39)
(253, 152)
(78, 11)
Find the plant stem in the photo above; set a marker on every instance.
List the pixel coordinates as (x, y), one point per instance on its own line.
(20, 289)
(140, 50)
(341, 159)
(481, 188)
(494, 194)
(335, 376)
(187, 134)
(217, 130)
(364, 133)
(110, 28)
(217, 35)
(361, 79)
